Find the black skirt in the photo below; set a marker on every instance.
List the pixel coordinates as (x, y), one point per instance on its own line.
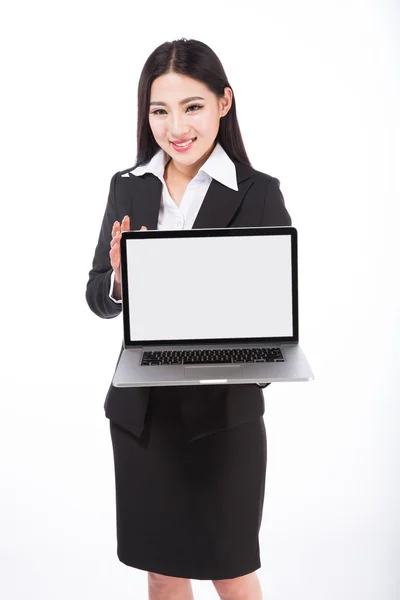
(189, 509)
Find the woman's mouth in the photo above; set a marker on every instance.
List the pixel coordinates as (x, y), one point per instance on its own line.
(184, 147)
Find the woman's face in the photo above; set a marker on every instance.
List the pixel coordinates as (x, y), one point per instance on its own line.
(171, 121)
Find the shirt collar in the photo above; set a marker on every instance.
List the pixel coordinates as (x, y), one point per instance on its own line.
(217, 166)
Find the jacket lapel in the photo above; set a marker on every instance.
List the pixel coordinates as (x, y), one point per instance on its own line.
(217, 210)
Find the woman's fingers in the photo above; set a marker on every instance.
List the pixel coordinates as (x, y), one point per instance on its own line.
(115, 251)
(115, 239)
(117, 230)
(126, 223)
(116, 235)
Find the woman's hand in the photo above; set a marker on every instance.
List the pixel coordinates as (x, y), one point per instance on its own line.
(115, 252)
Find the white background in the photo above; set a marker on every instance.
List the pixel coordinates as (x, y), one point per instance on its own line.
(317, 91)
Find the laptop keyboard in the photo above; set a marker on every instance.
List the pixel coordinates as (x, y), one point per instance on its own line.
(211, 356)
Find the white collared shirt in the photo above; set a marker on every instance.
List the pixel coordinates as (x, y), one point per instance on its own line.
(218, 166)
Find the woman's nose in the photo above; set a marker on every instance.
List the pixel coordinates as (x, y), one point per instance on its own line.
(178, 127)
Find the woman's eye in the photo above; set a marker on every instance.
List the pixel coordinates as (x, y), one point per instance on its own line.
(155, 112)
(194, 106)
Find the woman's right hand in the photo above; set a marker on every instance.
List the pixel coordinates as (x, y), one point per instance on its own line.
(115, 252)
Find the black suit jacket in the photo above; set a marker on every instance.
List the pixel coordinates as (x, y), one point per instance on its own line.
(258, 202)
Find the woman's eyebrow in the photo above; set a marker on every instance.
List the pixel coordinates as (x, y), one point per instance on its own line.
(184, 101)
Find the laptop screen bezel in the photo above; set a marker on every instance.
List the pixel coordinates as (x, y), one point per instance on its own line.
(209, 232)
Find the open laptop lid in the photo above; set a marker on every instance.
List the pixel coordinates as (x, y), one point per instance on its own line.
(187, 286)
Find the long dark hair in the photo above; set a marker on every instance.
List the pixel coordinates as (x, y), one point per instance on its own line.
(196, 60)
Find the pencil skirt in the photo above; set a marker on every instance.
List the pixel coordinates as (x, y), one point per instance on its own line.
(190, 509)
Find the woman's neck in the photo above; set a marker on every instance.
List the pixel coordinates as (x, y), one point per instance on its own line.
(172, 173)
(186, 173)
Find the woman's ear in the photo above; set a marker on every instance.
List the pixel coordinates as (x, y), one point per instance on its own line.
(226, 102)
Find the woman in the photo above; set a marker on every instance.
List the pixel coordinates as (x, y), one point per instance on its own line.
(190, 461)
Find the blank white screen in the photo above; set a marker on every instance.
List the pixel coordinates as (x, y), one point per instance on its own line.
(211, 287)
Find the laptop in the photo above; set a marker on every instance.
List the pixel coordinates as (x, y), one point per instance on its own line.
(210, 306)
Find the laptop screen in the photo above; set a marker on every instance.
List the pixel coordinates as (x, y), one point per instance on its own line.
(210, 285)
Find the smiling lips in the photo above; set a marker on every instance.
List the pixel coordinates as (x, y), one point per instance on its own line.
(182, 146)
(182, 142)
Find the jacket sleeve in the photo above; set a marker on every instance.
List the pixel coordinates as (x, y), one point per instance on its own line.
(275, 212)
(98, 285)
(110, 293)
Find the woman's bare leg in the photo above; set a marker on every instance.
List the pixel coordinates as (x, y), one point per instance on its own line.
(163, 587)
(246, 587)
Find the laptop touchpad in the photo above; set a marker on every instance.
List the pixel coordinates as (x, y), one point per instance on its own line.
(208, 372)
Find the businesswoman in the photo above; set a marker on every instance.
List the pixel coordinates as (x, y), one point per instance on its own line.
(190, 461)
